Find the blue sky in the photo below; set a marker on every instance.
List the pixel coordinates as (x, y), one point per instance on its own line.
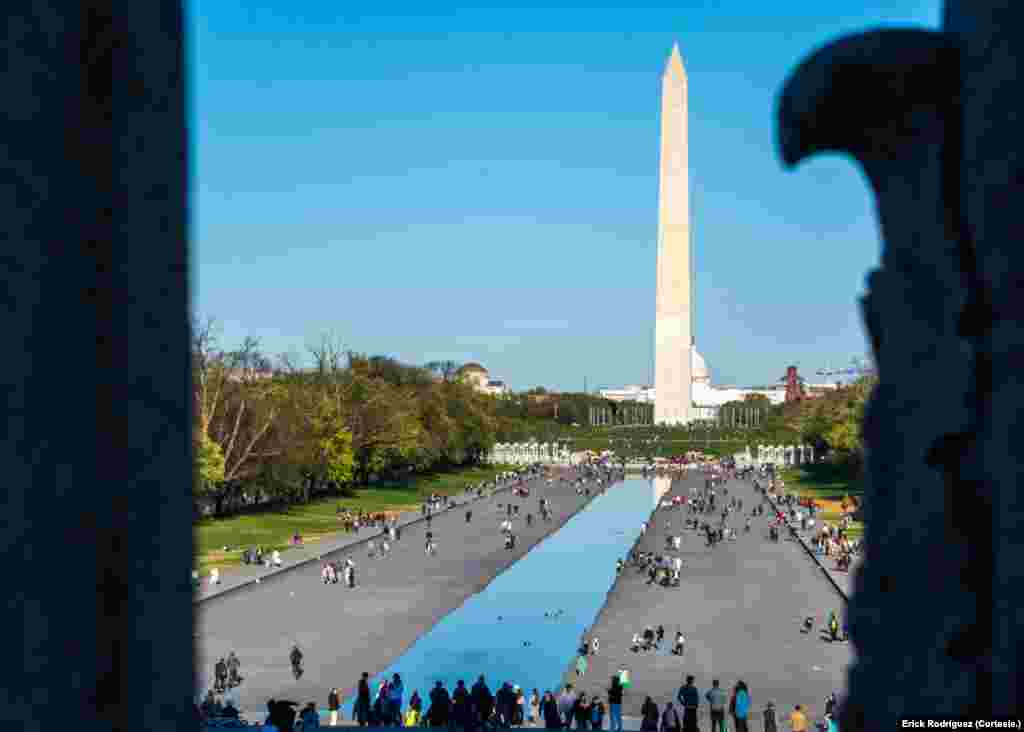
(480, 183)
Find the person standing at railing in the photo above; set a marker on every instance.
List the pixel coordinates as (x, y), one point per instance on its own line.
(689, 697)
(770, 725)
(717, 700)
(740, 706)
(333, 703)
(798, 720)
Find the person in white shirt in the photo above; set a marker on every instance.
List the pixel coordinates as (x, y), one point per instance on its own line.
(276, 558)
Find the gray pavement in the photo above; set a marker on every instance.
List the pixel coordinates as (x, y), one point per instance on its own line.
(344, 632)
(739, 609)
(844, 581)
(243, 575)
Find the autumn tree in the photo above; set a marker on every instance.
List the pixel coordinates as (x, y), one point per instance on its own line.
(237, 400)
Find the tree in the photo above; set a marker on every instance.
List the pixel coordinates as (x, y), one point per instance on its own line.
(237, 399)
(382, 422)
(447, 370)
(209, 465)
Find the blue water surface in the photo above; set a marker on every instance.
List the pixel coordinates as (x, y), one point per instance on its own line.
(503, 633)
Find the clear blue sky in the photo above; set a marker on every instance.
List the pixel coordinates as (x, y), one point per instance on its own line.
(480, 183)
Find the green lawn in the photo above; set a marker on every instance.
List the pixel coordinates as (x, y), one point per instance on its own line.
(315, 520)
(825, 482)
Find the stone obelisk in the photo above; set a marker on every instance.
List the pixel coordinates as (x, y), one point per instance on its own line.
(673, 328)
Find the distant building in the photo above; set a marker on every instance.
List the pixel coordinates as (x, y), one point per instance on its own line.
(707, 399)
(479, 378)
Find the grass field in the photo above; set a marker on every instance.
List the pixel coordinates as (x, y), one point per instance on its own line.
(314, 521)
(827, 484)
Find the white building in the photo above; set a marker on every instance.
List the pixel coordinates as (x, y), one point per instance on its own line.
(479, 378)
(707, 399)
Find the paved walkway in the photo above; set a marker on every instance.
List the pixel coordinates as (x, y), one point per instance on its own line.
(844, 581)
(343, 632)
(244, 575)
(739, 609)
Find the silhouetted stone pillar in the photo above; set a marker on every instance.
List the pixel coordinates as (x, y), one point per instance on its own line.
(991, 173)
(96, 449)
(933, 118)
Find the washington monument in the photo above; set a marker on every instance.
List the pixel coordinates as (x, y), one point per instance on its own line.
(673, 329)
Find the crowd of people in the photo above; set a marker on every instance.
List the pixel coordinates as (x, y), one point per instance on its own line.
(476, 707)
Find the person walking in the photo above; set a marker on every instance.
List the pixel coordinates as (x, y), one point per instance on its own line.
(220, 676)
(615, 705)
(770, 725)
(333, 703)
(717, 700)
(689, 697)
(581, 666)
(362, 708)
(739, 706)
(680, 644)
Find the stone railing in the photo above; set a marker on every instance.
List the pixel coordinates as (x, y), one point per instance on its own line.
(530, 453)
(785, 455)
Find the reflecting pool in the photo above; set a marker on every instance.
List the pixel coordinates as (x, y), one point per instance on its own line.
(503, 632)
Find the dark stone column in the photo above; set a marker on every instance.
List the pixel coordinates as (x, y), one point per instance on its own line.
(97, 539)
(891, 100)
(989, 191)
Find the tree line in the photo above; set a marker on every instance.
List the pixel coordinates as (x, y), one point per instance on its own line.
(266, 427)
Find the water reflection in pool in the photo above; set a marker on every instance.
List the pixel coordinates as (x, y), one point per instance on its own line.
(503, 632)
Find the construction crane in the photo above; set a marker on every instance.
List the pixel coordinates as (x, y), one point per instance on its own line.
(858, 367)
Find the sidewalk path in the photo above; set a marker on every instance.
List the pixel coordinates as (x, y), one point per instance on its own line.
(243, 574)
(842, 581)
(344, 632)
(739, 609)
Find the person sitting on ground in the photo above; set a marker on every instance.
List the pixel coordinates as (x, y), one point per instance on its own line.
(648, 638)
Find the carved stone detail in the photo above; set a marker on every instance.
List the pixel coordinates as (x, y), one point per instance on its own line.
(888, 98)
